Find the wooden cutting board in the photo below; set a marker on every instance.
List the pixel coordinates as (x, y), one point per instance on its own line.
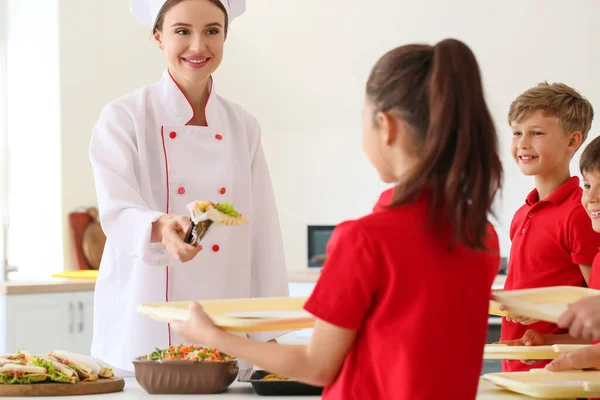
(87, 237)
(63, 389)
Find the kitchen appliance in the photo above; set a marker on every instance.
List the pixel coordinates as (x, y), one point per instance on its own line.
(318, 236)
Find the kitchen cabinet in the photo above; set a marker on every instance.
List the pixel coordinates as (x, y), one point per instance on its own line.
(40, 323)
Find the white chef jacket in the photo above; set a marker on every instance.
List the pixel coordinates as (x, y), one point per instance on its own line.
(148, 162)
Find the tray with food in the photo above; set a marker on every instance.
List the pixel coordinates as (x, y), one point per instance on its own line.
(544, 384)
(240, 315)
(58, 373)
(545, 304)
(268, 384)
(185, 369)
(205, 214)
(498, 351)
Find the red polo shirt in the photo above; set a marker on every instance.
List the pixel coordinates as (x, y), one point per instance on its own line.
(550, 239)
(595, 284)
(392, 277)
(595, 275)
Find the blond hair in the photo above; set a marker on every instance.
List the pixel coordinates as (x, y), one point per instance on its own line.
(574, 112)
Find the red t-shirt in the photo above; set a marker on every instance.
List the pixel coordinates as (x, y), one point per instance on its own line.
(550, 239)
(414, 302)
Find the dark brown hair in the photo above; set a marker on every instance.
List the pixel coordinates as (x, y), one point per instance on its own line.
(590, 158)
(437, 92)
(573, 111)
(158, 24)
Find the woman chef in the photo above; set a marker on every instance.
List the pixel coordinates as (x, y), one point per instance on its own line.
(154, 151)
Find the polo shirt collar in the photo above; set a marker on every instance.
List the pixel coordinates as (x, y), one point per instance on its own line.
(558, 196)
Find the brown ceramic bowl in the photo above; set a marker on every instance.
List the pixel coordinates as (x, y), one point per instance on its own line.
(185, 376)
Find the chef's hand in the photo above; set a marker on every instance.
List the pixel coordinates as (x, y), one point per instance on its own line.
(199, 328)
(582, 318)
(518, 319)
(586, 358)
(174, 230)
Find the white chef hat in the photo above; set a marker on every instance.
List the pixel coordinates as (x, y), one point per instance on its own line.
(146, 11)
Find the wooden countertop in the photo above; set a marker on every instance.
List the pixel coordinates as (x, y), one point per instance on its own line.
(55, 285)
(47, 286)
(303, 275)
(78, 285)
(312, 274)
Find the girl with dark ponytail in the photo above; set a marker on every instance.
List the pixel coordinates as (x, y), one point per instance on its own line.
(388, 301)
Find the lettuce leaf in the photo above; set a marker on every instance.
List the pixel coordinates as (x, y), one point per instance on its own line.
(26, 379)
(53, 373)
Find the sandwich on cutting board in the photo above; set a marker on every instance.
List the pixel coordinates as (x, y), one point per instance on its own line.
(88, 368)
(21, 374)
(56, 371)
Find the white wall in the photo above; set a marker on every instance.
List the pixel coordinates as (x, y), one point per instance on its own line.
(300, 66)
(104, 54)
(302, 71)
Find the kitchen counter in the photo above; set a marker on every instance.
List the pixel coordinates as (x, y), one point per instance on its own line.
(47, 286)
(312, 275)
(239, 390)
(54, 285)
(499, 281)
(309, 275)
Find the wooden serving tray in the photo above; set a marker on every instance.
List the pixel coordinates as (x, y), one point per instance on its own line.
(544, 304)
(495, 309)
(504, 352)
(240, 315)
(544, 384)
(63, 389)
